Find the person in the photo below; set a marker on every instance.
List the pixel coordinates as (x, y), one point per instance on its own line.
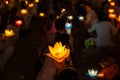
(91, 16)
(103, 30)
(61, 34)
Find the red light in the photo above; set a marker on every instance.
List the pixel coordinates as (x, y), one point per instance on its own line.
(18, 22)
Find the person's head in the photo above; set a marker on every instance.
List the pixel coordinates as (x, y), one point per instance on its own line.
(60, 24)
(67, 74)
(88, 6)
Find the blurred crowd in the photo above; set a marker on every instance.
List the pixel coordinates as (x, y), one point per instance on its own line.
(102, 32)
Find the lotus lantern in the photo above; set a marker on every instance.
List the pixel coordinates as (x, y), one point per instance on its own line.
(112, 16)
(112, 3)
(111, 10)
(59, 53)
(118, 18)
(9, 33)
(37, 1)
(23, 11)
(92, 72)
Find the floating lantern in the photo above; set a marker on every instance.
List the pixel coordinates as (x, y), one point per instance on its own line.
(81, 18)
(23, 11)
(112, 16)
(92, 73)
(31, 5)
(59, 53)
(118, 18)
(68, 25)
(9, 33)
(111, 10)
(36, 1)
(112, 3)
(63, 10)
(6, 1)
(41, 14)
(18, 22)
(70, 17)
(109, 0)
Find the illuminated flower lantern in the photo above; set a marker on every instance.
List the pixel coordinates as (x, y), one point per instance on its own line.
(111, 10)
(41, 14)
(70, 17)
(9, 33)
(109, 0)
(36, 1)
(59, 53)
(112, 3)
(18, 22)
(68, 26)
(92, 73)
(31, 5)
(23, 11)
(112, 16)
(6, 1)
(81, 18)
(63, 10)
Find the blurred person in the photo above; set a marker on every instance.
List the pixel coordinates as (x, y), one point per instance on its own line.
(91, 16)
(103, 30)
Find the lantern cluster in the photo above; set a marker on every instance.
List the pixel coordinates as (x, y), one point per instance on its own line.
(111, 11)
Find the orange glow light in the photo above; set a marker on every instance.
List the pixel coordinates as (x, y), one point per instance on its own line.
(118, 18)
(18, 22)
(41, 14)
(23, 11)
(112, 16)
(111, 10)
(112, 3)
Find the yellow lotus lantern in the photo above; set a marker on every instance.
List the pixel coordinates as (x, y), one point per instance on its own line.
(9, 33)
(31, 5)
(37, 1)
(23, 11)
(112, 16)
(112, 3)
(41, 14)
(59, 53)
(111, 10)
